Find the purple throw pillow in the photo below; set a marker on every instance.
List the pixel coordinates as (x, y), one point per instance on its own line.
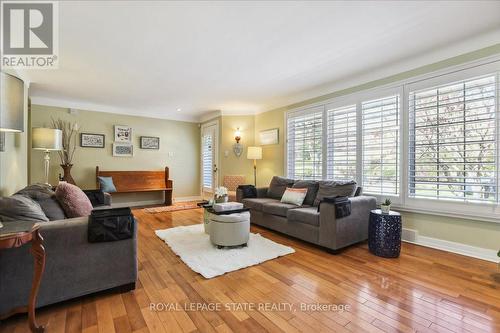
(74, 202)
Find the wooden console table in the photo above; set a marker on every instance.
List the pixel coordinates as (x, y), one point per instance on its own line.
(17, 234)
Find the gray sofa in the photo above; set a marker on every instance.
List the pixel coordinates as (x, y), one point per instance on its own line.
(74, 267)
(305, 222)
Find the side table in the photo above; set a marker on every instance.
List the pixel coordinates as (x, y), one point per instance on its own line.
(384, 234)
(16, 234)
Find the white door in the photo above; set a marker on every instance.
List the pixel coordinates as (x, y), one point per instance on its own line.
(209, 154)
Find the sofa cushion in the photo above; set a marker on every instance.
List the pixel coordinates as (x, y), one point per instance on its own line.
(312, 190)
(277, 208)
(307, 215)
(278, 186)
(256, 203)
(37, 191)
(21, 208)
(46, 198)
(333, 188)
(73, 200)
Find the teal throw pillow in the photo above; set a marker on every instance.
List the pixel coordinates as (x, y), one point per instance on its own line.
(107, 184)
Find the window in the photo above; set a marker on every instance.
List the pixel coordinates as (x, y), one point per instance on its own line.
(436, 152)
(341, 143)
(453, 141)
(304, 144)
(380, 167)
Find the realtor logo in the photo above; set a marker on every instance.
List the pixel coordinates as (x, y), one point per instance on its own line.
(29, 34)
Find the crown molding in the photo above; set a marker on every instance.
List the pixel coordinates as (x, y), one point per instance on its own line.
(68, 104)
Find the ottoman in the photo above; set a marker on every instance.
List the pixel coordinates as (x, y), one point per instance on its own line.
(230, 229)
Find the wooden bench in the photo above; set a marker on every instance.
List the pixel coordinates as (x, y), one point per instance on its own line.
(139, 181)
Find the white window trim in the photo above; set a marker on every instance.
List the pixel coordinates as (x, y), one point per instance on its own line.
(470, 210)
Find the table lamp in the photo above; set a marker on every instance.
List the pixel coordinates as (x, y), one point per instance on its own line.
(254, 153)
(46, 139)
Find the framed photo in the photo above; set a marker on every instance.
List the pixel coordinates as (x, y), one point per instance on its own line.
(89, 140)
(269, 137)
(150, 142)
(123, 134)
(123, 150)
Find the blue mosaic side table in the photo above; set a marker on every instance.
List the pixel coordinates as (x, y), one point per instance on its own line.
(384, 234)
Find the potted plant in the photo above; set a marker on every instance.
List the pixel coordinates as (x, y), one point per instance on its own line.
(385, 206)
(221, 194)
(69, 138)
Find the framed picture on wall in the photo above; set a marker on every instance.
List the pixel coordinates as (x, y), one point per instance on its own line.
(123, 134)
(89, 140)
(269, 137)
(150, 142)
(123, 150)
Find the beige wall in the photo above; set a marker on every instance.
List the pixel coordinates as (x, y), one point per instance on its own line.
(230, 163)
(272, 162)
(469, 232)
(14, 160)
(179, 150)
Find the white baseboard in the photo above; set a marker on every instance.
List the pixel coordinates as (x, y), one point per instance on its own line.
(412, 236)
(184, 199)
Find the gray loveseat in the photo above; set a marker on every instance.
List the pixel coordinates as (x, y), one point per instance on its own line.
(305, 222)
(74, 267)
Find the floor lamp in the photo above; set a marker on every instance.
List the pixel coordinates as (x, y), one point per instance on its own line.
(254, 153)
(46, 139)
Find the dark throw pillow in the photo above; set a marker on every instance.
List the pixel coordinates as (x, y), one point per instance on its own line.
(46, 198)
(21, 208)
(312, 190)
(278, 186)
(328, 188)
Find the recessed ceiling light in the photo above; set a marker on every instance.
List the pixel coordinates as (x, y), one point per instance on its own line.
(179, 109)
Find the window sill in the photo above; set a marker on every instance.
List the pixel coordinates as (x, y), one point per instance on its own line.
(493, 217)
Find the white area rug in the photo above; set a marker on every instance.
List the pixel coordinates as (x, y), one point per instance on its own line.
(193, 246)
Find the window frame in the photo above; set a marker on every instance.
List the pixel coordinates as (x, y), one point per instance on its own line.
(471, 210)
(302, 112)
(448, 207)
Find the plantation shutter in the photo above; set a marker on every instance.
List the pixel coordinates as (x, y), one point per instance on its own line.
(341, 143)
(452, 136)
(207, 163)
(304, 144)
(380, 135)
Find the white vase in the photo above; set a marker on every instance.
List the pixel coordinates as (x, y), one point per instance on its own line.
(385, 209)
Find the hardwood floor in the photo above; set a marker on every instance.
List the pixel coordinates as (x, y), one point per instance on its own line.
(424, 290)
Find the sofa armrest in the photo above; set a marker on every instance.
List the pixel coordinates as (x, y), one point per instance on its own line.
(74, 267)
(107, 199)
(239, 195)
(338, 233)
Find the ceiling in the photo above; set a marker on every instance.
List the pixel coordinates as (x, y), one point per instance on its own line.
(181, 60)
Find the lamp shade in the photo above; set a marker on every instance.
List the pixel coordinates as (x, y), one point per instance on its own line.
(46, 139)
(11, 103)
(254, 153)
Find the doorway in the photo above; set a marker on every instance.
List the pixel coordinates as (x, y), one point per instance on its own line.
(209, 159)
